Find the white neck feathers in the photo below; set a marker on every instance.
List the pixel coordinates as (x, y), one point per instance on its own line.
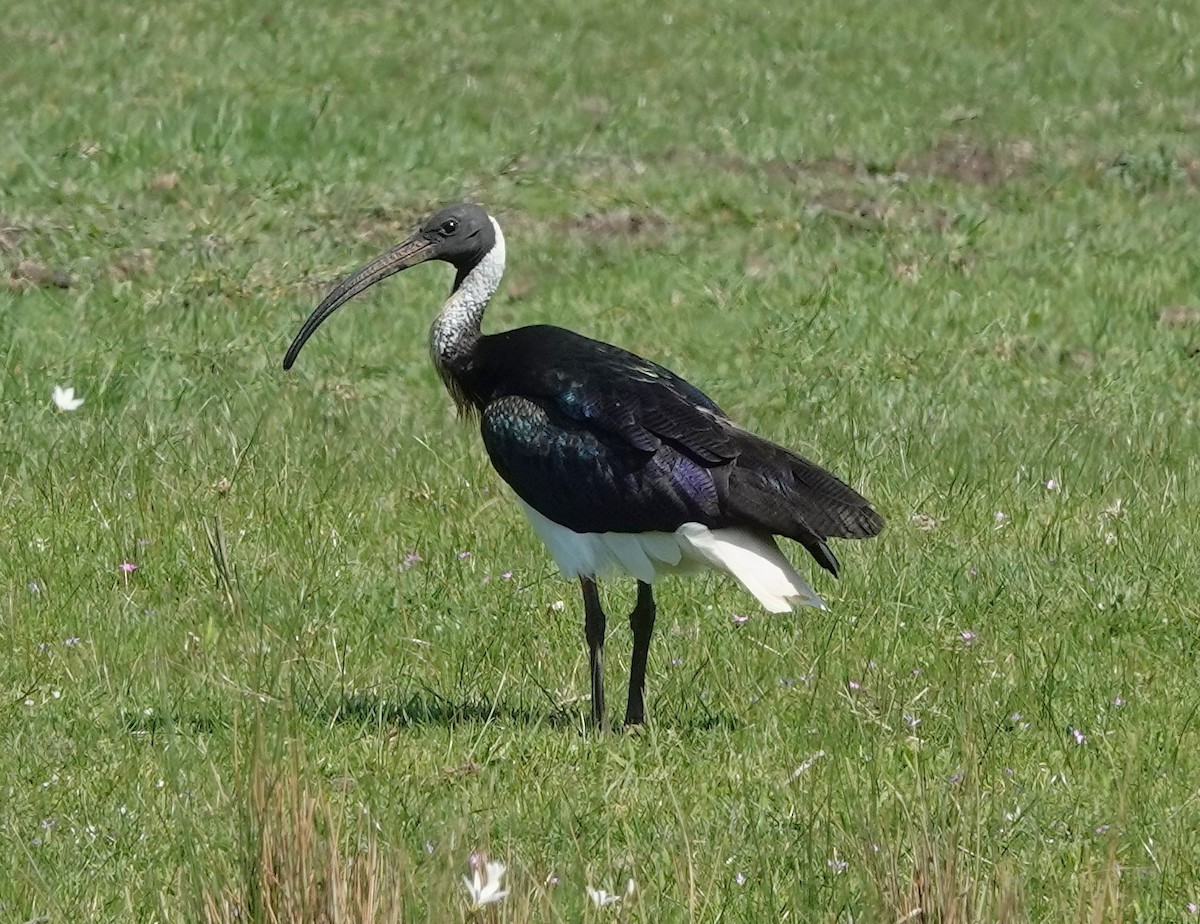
(457, 325)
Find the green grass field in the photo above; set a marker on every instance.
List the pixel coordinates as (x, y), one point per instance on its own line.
(948, 250)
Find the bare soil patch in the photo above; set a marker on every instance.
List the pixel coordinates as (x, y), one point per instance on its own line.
(863, 212)
(617, 224)
(165, 182)
(385, 225)
(33, 274)
(959, 160)
(1179, 316)
(133, 264)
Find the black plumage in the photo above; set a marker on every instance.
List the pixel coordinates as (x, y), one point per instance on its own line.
(599, 440)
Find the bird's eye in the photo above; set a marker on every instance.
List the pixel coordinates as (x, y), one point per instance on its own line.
(449, 226)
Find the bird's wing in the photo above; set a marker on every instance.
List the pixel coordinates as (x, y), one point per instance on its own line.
(610, 390)
(595, 421)
(591, 481)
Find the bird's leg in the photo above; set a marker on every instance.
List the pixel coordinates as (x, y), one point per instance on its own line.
(593, 631)
(641, 621)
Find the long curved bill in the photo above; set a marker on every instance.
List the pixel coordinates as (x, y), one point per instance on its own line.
(417, 249)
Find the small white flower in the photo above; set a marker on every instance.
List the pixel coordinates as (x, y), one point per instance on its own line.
(1051, 485)
(1001, 519)
(65, 400)
(600, 898)
(485, 890)
(558, 606)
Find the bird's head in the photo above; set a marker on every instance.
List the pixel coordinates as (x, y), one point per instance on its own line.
(460, 235)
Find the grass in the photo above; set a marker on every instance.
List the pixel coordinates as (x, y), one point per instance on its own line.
(950, 251)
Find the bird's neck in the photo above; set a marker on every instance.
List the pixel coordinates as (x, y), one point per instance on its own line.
(456, 329)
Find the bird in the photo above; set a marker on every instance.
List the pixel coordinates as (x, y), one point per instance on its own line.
(620, 465)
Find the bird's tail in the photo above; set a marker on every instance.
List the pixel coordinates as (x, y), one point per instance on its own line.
(756, 563)
(787, 495)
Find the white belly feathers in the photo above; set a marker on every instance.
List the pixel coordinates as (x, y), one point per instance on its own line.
(753, 560)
